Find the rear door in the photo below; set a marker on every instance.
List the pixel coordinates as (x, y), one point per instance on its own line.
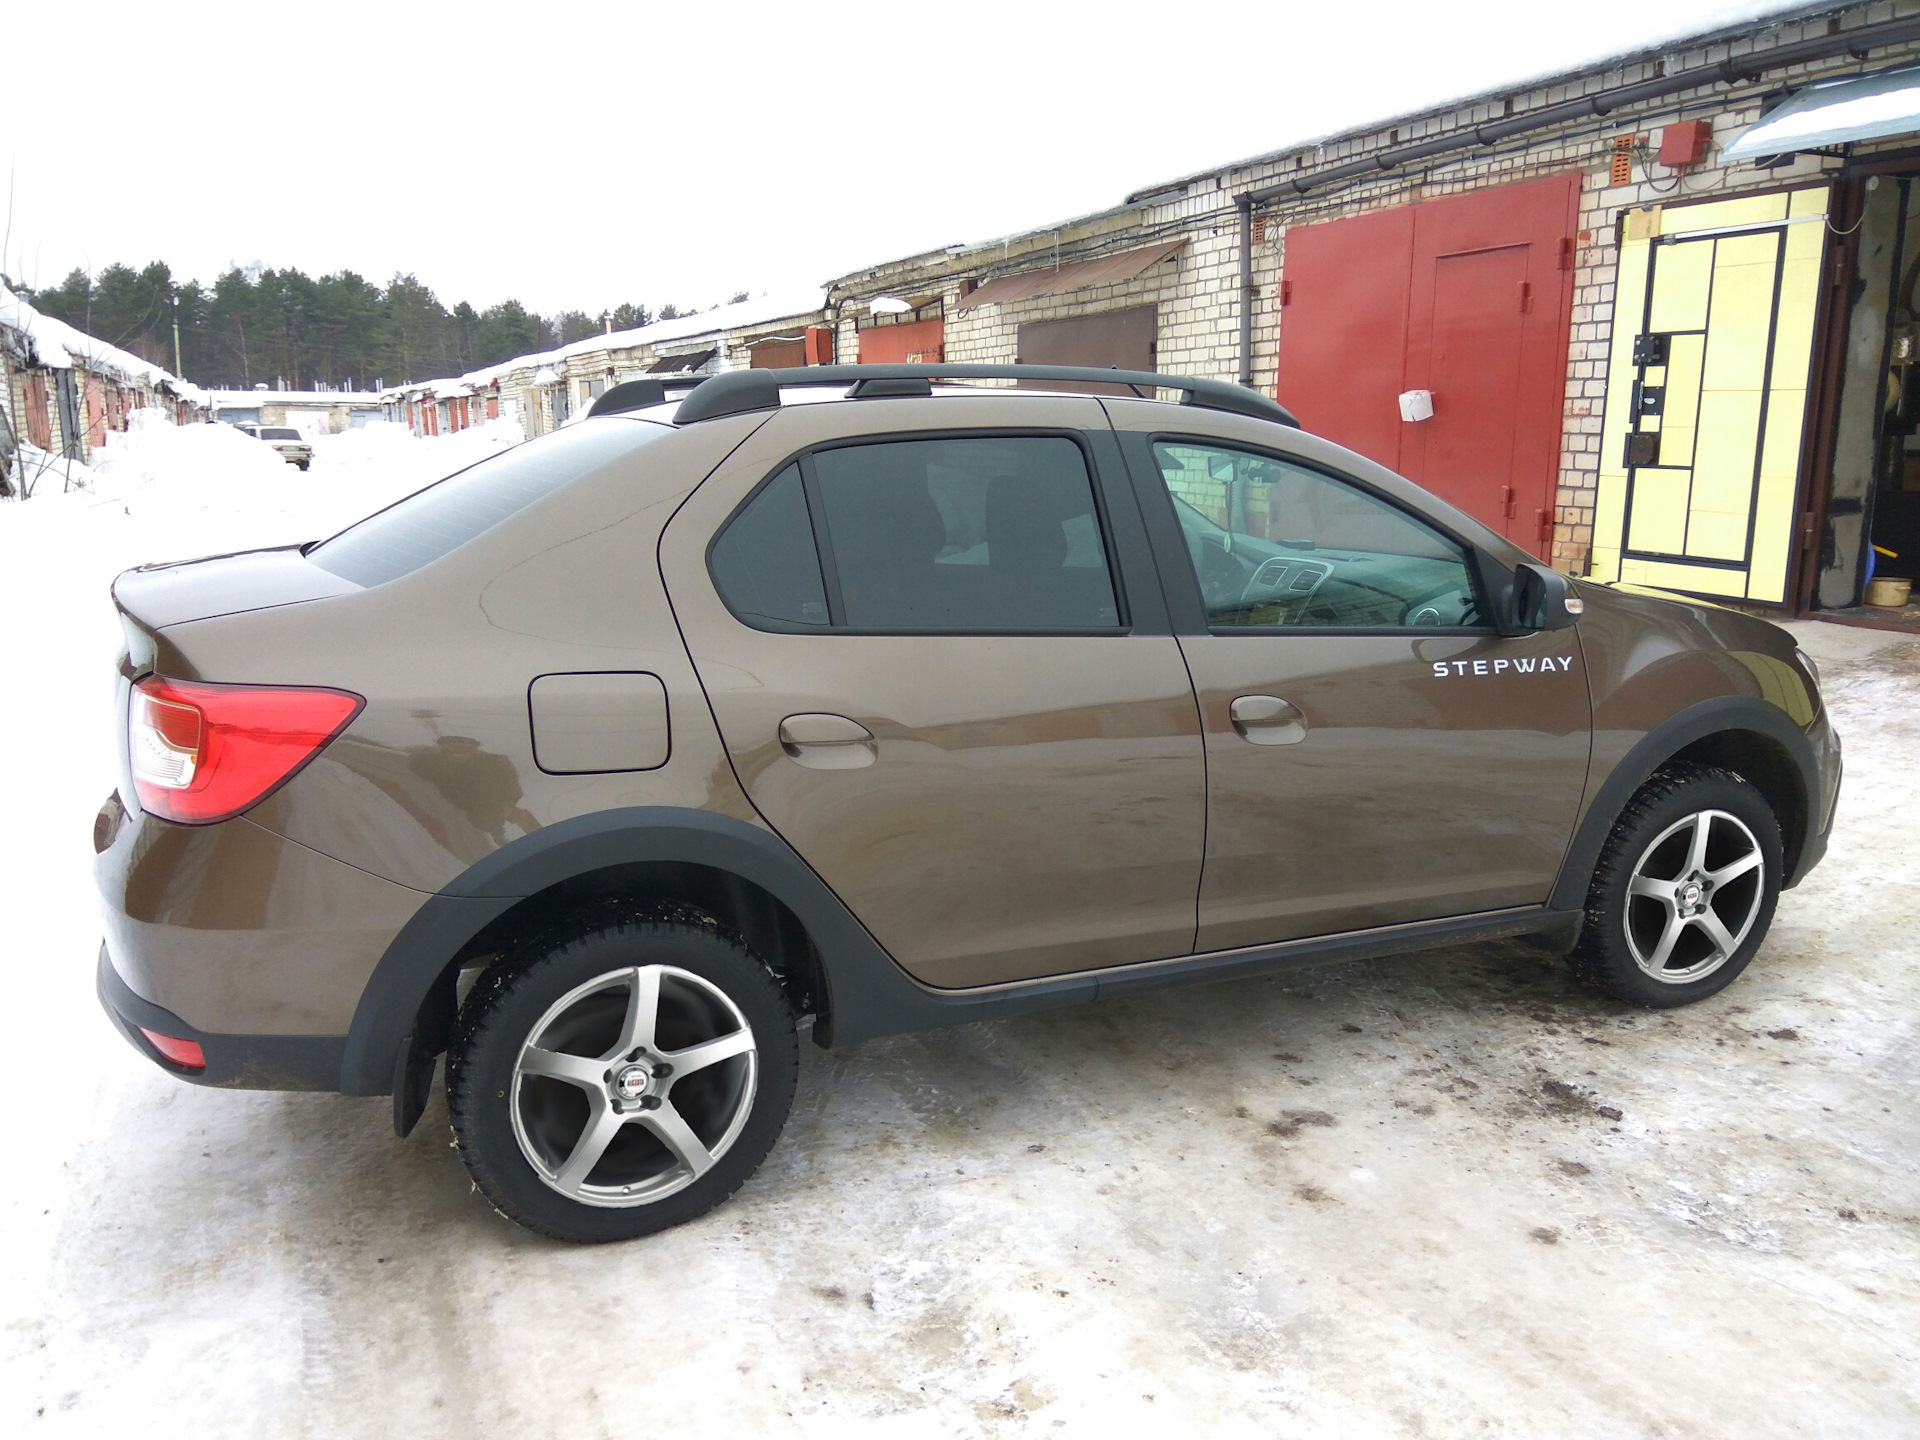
(1376, 753)
(937, 656)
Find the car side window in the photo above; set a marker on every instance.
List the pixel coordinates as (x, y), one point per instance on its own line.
(1279, 545)
(765, 565)
(976, 534)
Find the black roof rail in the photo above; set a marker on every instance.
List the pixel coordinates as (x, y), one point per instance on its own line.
(638, 394)
(740, 391)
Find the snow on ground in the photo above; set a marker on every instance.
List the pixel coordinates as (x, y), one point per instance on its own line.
(1436, 1195)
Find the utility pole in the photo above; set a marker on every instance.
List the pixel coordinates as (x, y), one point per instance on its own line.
(176, 344)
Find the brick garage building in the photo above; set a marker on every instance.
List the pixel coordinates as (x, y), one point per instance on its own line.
(1647, 359)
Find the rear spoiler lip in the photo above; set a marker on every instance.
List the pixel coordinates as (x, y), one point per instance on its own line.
(174, 593)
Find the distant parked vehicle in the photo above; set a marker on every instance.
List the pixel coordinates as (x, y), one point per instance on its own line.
(293, 447)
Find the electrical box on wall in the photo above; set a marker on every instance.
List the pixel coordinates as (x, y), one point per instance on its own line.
(1683, 144)
(1416, 405)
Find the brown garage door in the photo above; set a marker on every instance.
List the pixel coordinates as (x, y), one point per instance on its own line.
(777, 355)
(1116, 339)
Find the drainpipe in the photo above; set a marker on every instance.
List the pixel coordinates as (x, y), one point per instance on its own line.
(1245, 205)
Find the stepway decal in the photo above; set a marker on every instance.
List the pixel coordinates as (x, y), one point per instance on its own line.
(1548, 665)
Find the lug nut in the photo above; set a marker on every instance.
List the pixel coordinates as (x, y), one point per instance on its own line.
(660, 1072)
(649, 1102)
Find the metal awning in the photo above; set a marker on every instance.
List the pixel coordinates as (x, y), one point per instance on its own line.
(674, 364)
(1107, 270)
(1834, 112)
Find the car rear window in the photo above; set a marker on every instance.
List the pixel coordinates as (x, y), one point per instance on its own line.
(441, 518)
(279, 434)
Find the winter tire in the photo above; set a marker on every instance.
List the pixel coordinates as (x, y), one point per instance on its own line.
(1684, 891)
(622, 1082)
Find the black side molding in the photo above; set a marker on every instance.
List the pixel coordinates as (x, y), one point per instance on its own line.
(867, 993)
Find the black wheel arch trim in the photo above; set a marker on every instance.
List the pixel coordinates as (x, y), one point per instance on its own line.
(857, 969)
(1722, 715)
(868, 995)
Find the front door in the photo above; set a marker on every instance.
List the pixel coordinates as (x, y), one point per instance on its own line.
(1376, 754)
(936, 681)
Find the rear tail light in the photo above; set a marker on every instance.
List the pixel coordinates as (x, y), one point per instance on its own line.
(187, 1054)
(203, 753)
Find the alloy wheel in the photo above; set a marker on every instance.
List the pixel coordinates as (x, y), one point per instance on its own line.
(633, 1085)
(1693, 896)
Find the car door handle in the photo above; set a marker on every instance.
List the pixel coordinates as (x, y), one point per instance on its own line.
(827, 742)
(1267, 720)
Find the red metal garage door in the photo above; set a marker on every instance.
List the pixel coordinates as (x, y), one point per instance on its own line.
(1469, 297)
(915, 344)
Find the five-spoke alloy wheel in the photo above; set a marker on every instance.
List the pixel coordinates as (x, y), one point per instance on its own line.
(1694, 894)
(623, 1082)
(1684, 891)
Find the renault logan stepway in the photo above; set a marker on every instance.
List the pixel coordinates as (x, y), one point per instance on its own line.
(864, 700)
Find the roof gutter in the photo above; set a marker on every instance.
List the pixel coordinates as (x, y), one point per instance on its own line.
(1731, 71)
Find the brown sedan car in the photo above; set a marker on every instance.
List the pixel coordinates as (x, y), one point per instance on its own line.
(841, 699)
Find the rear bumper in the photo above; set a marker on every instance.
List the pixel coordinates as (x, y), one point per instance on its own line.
(231, 936)
(234, 1062)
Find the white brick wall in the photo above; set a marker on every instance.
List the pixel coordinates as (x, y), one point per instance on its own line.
(1197, 296)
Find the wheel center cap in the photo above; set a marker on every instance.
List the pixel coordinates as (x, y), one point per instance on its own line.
(631, 1082)
(1690, 894)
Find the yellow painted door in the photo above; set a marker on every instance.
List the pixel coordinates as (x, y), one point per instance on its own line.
(1707, 395)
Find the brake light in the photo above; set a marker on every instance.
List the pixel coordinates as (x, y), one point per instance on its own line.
(203, 753)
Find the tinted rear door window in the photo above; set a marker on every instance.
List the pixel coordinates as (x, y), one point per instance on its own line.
(976, 534)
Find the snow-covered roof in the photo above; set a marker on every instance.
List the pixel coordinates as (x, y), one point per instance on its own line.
(247, 399)
(59, 346)
(747, 314)
(1659, 38)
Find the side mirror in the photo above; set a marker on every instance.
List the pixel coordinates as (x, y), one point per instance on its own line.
(1543, 600)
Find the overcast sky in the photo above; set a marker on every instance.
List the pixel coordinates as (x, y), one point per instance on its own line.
(575, 159)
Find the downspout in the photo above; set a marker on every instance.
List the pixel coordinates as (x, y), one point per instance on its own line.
(1245, 205)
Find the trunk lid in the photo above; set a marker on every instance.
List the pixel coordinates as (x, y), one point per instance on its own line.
(157, 596)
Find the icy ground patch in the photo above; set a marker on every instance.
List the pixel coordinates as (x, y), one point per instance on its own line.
(1437, 1195)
